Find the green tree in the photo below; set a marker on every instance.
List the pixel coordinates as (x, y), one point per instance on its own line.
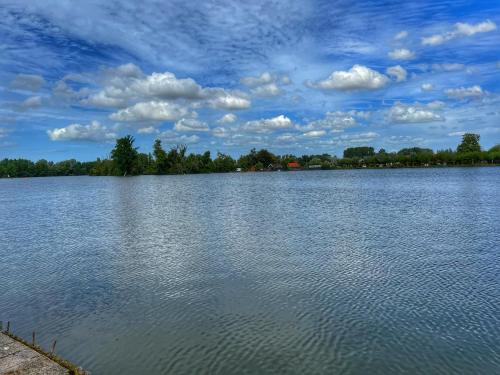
(125, 155)
(196, 163)
(206, 162)
(105, 167)
(383, 157)
(176, 159)
(259, 166)
(160, 158)
(445, 156)
(42, 168)
(358, 152)
(265, 158)
(145, 164)
(246, 162)
(315, 161)
(470, 143)
(224, 163)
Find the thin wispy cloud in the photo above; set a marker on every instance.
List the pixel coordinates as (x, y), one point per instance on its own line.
(460, 29)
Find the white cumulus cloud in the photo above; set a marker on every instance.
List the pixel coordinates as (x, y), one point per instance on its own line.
(150, 111)
(100, 99)
(402, 113)
(266, 85)
(127, 85)
(427, 87)
(94, 132)
(227, 118)
(263, 79)
(402, 54)
(268, 90)
(267, 125)
(359, 77)
(222, 99)
(191, 125)
(335, 121)
(314, 134)
(166, 86)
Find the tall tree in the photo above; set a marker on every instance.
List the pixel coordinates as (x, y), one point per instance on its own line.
(176, 159)
(470, 143)
(160, 158)
(124, 155)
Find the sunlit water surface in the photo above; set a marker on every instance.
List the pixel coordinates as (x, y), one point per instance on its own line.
(341, 272)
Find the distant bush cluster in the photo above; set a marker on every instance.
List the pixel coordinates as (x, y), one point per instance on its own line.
(127, 160)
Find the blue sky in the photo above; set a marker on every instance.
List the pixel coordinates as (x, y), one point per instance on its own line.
(291, 76)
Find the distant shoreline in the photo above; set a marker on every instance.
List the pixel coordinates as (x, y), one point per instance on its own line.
(126, 160)
(277, 170)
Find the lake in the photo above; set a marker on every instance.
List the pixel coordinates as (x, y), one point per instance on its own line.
(325, 272)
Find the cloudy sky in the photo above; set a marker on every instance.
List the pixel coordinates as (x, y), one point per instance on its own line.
(291, 76)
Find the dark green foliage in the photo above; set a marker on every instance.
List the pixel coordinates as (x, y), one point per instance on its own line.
(315, 161)
(359, 152)
(43, 168)
(176, 160)
(470, 143)
(126, 160)
(224, 163)
(265, 157)
(414, 151)
(247, 162)
(104, 167)
(160, 158)
(326, 161)
(125, 156)
(199, 163)
(145, 164)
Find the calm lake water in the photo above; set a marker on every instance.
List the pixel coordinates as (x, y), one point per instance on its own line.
(327, 272)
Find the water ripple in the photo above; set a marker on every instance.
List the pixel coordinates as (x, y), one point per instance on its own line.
(345, 272)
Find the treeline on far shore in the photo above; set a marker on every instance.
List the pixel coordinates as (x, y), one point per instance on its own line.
(125, 159)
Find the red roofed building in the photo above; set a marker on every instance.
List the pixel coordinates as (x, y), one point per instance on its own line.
(293, 164)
